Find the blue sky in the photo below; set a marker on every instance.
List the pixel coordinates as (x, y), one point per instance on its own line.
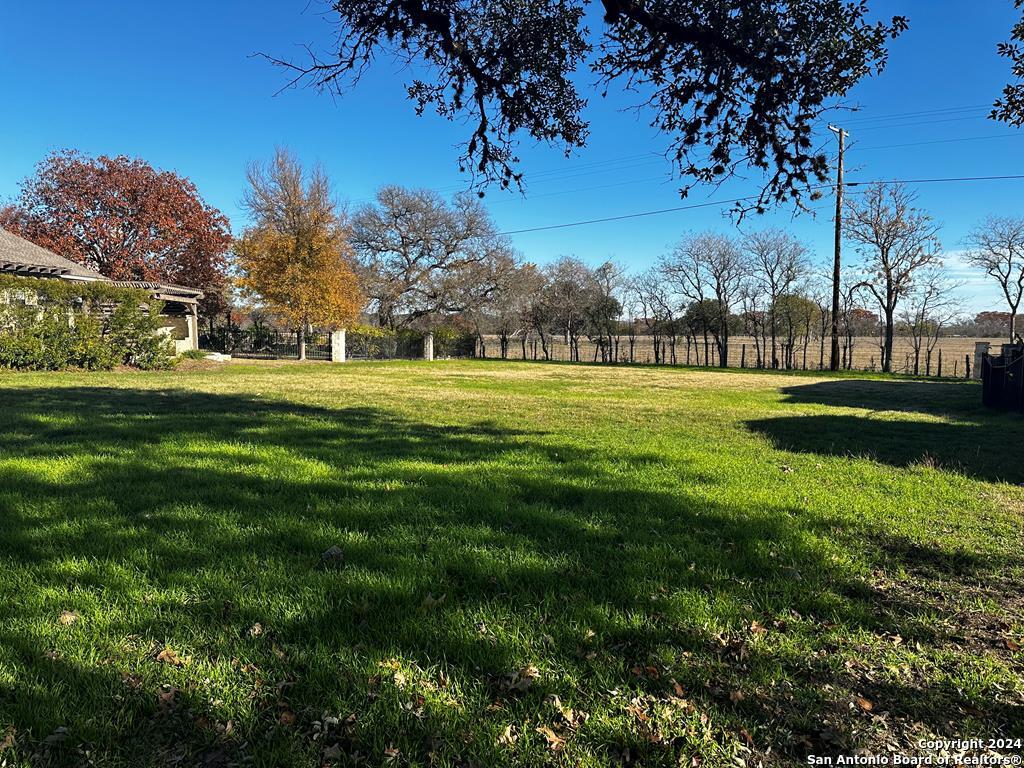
(179, 86)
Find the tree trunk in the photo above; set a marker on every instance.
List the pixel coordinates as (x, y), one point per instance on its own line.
(887, 344)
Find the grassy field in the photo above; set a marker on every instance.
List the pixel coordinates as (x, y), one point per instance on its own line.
(487, 564)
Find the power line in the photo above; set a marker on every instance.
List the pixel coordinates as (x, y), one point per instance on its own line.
(918, 113)
(942, 141)
(731, 201)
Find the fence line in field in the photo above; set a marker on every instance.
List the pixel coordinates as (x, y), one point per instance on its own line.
(951, 357)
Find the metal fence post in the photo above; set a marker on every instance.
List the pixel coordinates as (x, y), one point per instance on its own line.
(338, 353)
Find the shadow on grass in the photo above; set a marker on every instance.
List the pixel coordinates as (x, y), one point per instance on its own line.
(957, 433)
(192, 520)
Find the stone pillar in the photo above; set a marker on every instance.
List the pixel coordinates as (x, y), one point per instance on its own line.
(428, 346)
(980, 350)
(338, 346)
(193, 325)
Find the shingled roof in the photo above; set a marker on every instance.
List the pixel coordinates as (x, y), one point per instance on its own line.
(18, 256)
(21, 257)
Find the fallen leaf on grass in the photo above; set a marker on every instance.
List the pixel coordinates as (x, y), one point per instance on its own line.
(555, 742)
(646, 671)
(864, 704)
(433, 602)
(1012, 644)
(523, 679)
(132, 680)
(736, 696)
(508, 736)
(391, 754)
(333, 555)
(169, 656)
(59, 734)
(67, 617)
(256, 630)
(332, 752)
(8, 740)
(166, 696)
(286, 718)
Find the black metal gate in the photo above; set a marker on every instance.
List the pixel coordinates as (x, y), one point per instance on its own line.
(263, 343)
(1002, 379)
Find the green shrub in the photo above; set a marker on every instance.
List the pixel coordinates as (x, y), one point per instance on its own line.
(49, 325)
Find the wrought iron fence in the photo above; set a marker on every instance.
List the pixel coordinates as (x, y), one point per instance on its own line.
(1002, 378)
(263, 343)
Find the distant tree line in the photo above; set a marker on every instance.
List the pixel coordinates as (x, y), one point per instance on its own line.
(412, 261)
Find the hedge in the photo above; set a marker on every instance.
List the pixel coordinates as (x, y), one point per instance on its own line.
(90, 325)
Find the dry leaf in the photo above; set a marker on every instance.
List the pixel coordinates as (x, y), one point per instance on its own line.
(8, 740)
(433, 602)
(256, 630)
(332, 752)
(1012, 644)
(736, 696)
(524, 678)
(864, 704)
(68, 617)
(166, 696)
(756, 628)
(391, 753)
(555, 742)
(169, 656)
(508, 736)
(286, 718)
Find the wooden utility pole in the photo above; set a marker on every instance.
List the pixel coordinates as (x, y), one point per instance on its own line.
(836, 264)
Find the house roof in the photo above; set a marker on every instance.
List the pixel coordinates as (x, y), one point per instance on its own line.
(22, 257)
(165, 291)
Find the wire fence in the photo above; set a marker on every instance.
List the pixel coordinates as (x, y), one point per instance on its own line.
(951, 357)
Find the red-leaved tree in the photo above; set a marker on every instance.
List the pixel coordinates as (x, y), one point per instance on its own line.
(125, 219)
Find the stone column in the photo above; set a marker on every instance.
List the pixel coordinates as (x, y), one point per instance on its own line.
(338, 346)
(193, 325)
(428, 347)
(980, 350)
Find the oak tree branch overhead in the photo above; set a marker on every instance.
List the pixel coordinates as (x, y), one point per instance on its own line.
(735, 85)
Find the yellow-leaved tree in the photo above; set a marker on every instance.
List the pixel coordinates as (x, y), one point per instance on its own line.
(296, 258)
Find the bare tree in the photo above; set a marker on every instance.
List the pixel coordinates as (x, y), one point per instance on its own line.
(930, 305)
(897, 240)
(778, 260)
(997, 246)
(606, 309)
(709, 267)
(655, 303)
(422, 257)
(570, 287)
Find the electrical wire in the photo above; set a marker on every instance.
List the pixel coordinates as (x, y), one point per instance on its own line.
(732, 201)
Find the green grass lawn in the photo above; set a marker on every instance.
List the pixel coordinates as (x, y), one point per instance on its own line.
(532, 564)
